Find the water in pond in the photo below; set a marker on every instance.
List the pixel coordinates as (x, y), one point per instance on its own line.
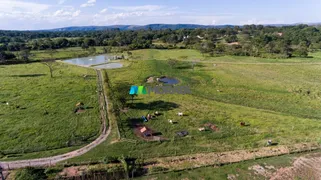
(170, 81)
(88, 61)
(100, 60)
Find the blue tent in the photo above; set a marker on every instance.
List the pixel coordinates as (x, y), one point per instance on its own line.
(133, 90)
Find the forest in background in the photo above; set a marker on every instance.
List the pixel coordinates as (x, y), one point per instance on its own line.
(248, 40)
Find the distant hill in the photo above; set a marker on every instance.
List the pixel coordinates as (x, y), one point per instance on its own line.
(136, 27)
(155, 27)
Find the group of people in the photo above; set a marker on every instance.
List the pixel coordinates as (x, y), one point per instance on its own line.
(149, 116)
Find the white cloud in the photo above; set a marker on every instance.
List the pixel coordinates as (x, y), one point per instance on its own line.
(89, 3)
(138, 8)
(9, 6)
(103, 11)
(76, 13)
(66, 13)
(61, 2)
(264, 21)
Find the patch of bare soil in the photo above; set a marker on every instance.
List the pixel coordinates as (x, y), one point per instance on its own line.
(206, 159)
(73, 171)
(263, 171)
(150, 80)
(146, 133)
(306, 167)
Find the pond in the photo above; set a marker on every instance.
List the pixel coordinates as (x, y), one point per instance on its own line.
(168, 80)
(102, 62)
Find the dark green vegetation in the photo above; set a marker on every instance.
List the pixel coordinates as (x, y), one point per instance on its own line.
(37, 112)
(249, 40)
(280, 101)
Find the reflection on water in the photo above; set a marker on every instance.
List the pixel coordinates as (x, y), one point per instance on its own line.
(168, 80)
(102, 62)
(88, 61)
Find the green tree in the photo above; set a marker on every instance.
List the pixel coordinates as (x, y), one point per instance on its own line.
(51, 64)
(302, 50)
(25, 54)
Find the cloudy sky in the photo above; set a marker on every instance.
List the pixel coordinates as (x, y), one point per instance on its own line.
(46, 14)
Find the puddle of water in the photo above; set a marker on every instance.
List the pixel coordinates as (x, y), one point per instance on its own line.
(167, 80)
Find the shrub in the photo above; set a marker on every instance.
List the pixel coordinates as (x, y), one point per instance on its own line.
(30, 174)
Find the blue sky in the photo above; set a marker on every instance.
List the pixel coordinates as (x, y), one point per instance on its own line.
(44, 14)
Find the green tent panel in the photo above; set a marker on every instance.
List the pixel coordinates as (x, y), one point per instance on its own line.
(142, 90)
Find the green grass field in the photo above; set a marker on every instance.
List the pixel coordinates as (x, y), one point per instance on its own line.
(191, 55)
(278, 98)
(67, 53)
(39, 118)
(270, 96)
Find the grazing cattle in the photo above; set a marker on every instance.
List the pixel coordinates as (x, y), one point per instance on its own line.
(201, 129)
(269, 143)
(180, 114)
(170, 121)
(242, 123)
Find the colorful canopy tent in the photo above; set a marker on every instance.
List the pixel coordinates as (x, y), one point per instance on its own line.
(137, 90)
(142, 90)
(133, 90)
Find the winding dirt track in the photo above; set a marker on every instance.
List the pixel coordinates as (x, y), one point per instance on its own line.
(103, 102)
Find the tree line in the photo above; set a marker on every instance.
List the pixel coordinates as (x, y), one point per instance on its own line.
(248, 40)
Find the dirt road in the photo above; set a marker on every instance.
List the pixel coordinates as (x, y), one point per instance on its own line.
(103, 105)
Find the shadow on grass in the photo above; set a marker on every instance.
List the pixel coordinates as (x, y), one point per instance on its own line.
(188, 66)
(90, 77)
(155, 105)
(28, 75)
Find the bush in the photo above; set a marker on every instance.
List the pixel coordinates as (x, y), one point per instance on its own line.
(30, 174)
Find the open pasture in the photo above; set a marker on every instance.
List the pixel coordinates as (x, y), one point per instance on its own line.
(37, 112)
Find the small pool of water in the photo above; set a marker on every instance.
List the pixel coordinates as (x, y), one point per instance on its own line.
(168, 80)
(109, 66)
(88, 61)
(102, 62)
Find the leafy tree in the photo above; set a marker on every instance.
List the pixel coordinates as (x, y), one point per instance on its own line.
(51, 66)
(2, 58)
(25, 54)
(232, 38)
